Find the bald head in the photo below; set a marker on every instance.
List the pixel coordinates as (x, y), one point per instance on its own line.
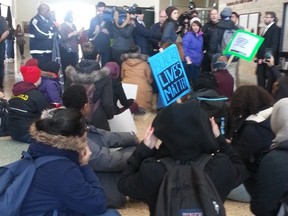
(162, 16)
(44, 10)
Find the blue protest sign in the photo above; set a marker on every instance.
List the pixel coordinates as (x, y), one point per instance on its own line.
(169, 75)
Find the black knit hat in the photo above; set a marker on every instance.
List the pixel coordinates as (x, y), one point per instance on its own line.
(169, 10)
(50, 66)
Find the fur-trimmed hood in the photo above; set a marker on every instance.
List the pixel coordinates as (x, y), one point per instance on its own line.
(86, 76)
(58, 141)
(140, 56)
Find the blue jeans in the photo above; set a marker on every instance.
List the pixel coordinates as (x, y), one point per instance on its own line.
(108, 212)
(9, 48)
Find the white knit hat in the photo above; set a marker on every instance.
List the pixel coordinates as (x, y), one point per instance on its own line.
(194, 19)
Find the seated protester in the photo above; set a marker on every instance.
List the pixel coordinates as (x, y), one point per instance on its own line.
(251, 135)
(280, 87)
(136, 70)
(107, 162)
(68, 186)
(88, 51)
(186, 133)
(50, 86)
(223, 78)
(98, 85)
(271, 184)
(26, 104)
(118, 91)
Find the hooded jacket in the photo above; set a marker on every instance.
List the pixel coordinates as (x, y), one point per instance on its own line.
(271, 182)
(217, 35)
(87, 73)
(62, 184)
(136, 70)
(25, 106)
(186, 134)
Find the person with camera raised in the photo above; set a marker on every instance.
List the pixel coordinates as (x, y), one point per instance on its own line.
(99, 33)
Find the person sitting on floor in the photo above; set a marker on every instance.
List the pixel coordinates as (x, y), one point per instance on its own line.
(106, 160)
(65, 186)
(50, 86)
(118, 91)
(26, 104)
(136, 70)
(98, 85)
(186, 133)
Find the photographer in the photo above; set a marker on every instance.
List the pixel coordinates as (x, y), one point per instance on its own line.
(122, 31)
(99, 33)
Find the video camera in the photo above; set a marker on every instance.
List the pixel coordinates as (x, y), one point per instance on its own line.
(108, 14)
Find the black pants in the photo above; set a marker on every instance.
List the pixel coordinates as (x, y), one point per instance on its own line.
(265, 77)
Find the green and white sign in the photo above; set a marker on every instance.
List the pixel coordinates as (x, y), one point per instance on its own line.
(244, 45)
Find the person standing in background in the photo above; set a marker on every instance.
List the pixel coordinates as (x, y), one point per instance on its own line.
(4, 31)
(170, 26)
(271, 36)
(20, 40)
(41, 33)
(9, 44)
(235, 19)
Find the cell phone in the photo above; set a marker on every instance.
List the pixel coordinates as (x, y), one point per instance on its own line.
(268, 54)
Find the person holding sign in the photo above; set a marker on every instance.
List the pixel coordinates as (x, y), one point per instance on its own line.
(192, 46)
(269, 47)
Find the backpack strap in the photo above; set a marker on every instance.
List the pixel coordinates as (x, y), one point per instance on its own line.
(39, 161)
(201, 162)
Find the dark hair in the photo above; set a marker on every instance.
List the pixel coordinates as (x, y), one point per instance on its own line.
(65, 122)
(68, 16)
(236, 14)
(272, 14)
(198, 24)
(100, 4)
(75, 97)
(248, 100)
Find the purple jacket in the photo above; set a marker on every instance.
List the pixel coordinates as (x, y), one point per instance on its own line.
(51, 89)
(193, 47)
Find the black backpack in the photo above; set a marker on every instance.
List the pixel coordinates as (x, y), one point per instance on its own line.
(215, 105)
(3, 117)
(187, 190)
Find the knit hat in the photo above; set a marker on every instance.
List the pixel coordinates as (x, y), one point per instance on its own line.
(169, 10)
(51, 66)
(195, 19)
(185, 131)
(32, 62)
(226, 12)
(218, 64)
(114, 69)
(31, 74)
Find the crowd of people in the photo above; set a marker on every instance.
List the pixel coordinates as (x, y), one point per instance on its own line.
(63, 104)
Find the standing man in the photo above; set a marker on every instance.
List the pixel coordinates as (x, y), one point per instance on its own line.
(4, 32)
(99, 33)
(207, 30)
(41, 34)
(235, 19)
(271, 36)
(156, 28)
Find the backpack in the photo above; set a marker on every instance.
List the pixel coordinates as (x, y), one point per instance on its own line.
(15, 181)
(214, 104)
(3, 117)
(187, 190)
(227, 36)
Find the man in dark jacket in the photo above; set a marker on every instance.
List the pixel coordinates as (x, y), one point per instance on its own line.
(207, 30)
(186, 134)
(216, 45)
(41, 34)
(271, 36)
(26, 104)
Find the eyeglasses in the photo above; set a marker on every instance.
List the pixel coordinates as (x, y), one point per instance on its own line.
(266, 17)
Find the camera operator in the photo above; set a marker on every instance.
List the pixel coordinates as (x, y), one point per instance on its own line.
(99, 33)
(122, 31)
